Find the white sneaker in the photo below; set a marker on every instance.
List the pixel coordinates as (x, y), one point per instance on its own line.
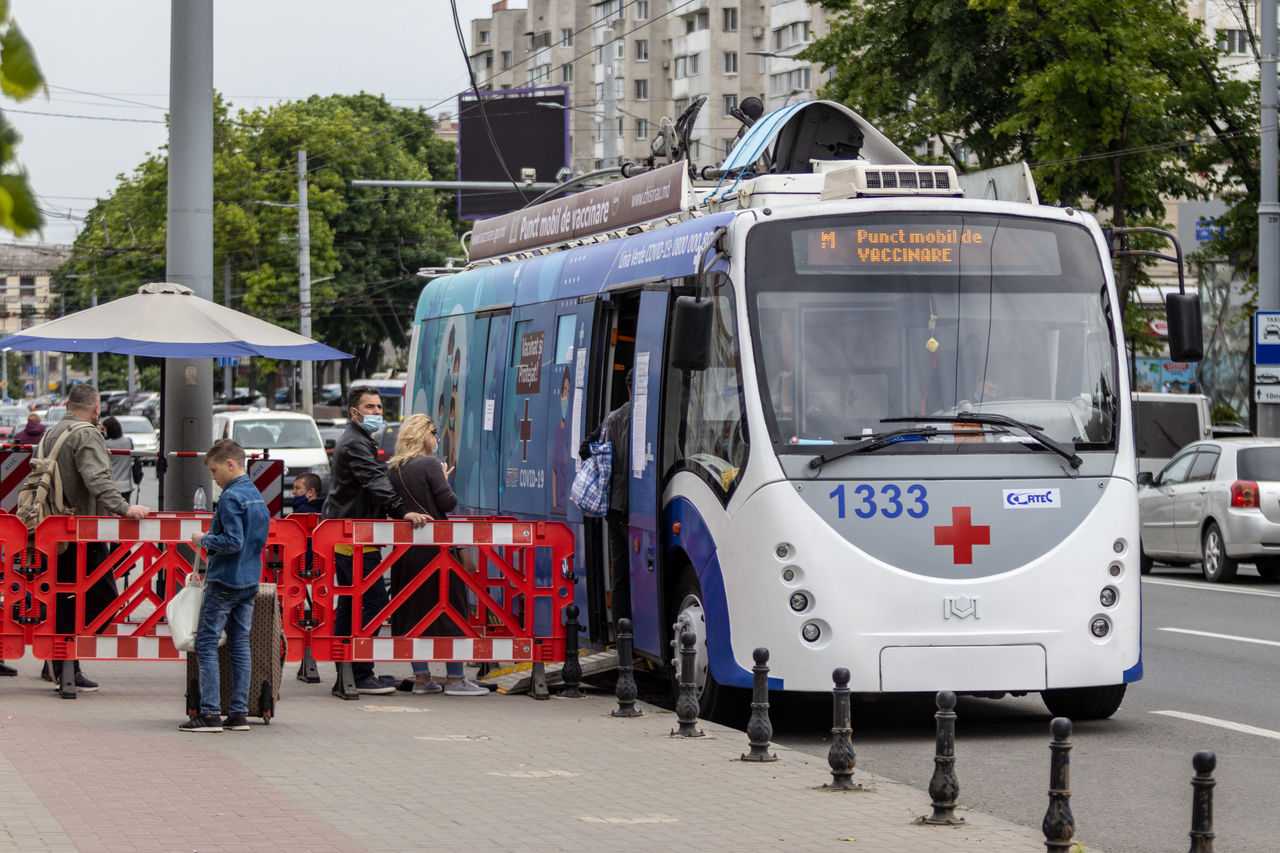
(464, 687)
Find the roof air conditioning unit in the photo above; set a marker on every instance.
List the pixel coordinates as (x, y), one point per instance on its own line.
(865, 179)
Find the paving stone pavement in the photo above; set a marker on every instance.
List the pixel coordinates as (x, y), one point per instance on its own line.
(110, 772)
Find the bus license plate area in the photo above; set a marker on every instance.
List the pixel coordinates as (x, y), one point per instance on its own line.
(906, 669)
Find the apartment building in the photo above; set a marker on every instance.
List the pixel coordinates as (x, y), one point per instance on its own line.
(630, 65)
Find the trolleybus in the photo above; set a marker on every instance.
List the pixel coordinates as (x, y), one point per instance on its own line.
(876, 424)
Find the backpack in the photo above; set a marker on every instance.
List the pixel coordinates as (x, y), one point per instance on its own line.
(41, 493)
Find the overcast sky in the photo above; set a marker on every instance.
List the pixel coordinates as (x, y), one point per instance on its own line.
(109, 61)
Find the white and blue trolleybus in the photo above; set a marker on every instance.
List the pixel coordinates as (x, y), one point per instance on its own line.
(877, 423)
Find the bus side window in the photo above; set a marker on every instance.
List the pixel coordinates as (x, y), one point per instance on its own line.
(714, 438)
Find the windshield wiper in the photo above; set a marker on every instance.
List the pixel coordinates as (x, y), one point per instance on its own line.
(875, 442)
(1032, 430)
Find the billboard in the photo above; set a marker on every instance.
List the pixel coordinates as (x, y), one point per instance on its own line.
(528, 132)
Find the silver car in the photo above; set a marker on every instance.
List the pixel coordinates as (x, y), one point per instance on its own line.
(1216, 502)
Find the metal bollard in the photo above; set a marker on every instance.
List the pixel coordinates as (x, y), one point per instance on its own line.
(687, 701)
(944, 788)
(1058, 824)
(572, 670)
(841, 756)
(759, 729)
(1202, 802)
(626, 686)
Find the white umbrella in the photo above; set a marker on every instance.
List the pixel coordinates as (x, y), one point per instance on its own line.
(166, 320)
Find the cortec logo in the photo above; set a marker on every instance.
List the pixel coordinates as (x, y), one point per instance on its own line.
(1032, 499)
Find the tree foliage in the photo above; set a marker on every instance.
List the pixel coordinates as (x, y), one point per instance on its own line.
(1117, 104)
(20, 79)
(367, 242)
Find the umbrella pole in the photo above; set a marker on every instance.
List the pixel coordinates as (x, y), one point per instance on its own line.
(161, 459)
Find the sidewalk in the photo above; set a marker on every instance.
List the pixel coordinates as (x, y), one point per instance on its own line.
(110, 772)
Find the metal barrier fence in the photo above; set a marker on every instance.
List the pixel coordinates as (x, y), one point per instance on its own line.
(518, 576)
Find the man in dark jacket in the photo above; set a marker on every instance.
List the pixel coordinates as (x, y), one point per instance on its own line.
(359, 488)
(31, 433)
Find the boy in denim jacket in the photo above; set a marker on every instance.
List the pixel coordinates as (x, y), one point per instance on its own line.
(234, 544)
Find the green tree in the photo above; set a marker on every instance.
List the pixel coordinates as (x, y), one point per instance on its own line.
(1106, 98)
(20, 79)
(368, 243)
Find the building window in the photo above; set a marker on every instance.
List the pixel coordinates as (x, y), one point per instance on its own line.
(620, 49)
(566, 37)
(730, 62)
(506, 60)
(540, 40)
(599, 55)
(686, 66)
(789, 82)
(642, 50)
(566, 73)
(599, 93)
(642, 128)
(620, 88)
(27, 285)
(642, 10)
(700, 21)
(682, 104)
(791, 35)
(731, 20)
(488, 62)
(730, 104)
(642, 90)
(728, 145)
(484, 36)
(1234, 42)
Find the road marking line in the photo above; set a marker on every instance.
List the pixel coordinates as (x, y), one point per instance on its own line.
(1214, 636)
(1212, 587)
(1222, 724)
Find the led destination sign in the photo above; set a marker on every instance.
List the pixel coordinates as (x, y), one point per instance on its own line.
(928, 246)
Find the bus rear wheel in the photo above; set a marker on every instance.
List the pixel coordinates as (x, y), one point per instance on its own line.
(1084, 703)
(691, 616)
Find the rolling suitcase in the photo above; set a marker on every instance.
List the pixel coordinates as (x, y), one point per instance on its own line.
(266, 647)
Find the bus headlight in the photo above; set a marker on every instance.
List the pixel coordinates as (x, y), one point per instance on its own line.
(811, 632)
(1100, 626)
(1109, 596)
(799, 602)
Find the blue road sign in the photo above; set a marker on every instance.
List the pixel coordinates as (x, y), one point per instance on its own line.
(1266, 338)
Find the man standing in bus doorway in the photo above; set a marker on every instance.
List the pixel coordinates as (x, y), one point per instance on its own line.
(617, 430)
(359, 488)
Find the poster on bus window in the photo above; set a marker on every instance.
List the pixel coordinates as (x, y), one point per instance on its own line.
(1161, 374)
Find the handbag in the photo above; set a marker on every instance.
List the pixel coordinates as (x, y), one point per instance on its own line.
(183, 611)
(590, 490)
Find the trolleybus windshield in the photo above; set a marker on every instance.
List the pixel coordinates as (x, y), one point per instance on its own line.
(858, 318)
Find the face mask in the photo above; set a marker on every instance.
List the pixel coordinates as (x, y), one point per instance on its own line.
(299, 501)
(371, 423)
(564, 408)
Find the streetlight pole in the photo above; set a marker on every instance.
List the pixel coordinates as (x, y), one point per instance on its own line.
(304, 280)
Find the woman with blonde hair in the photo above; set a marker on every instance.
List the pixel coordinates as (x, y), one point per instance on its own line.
(422, 482)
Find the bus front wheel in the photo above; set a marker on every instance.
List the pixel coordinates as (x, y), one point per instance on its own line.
(690, 616)
(1084, 703)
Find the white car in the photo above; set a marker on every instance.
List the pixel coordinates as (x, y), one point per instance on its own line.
(289, 436)
(142, 433)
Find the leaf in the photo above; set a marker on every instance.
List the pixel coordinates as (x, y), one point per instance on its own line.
(20, 76)
(20, 213)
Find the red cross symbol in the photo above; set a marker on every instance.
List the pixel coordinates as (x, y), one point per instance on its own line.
(962, 535)
(526, 432)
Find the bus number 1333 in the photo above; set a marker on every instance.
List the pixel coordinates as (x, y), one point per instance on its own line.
(889, 502)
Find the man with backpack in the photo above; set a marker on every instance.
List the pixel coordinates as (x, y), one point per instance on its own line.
(82, 466)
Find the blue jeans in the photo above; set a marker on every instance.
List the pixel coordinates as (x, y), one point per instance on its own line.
(374, 599)
(230, 608)
(452, 669)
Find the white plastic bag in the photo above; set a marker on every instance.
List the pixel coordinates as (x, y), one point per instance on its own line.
(183, 613)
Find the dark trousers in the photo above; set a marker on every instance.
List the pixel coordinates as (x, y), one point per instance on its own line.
(98, 597)
(370, 603)
(619, 565)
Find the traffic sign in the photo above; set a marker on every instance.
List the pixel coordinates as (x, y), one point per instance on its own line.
(1266, 393)
(1266, 338)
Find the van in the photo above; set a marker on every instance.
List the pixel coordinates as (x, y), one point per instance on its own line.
(1164, 423)
(288, 436)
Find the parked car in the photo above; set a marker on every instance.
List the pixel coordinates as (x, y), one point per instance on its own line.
(142, 433)
(1164, 423)
(12, 419)
(1217, 502)
(290, 436)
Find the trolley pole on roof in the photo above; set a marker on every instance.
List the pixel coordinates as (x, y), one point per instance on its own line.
(1268, 200)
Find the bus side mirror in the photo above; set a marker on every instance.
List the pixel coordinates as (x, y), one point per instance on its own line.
(1145, 478)
(1186, 336)
(691, 334)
